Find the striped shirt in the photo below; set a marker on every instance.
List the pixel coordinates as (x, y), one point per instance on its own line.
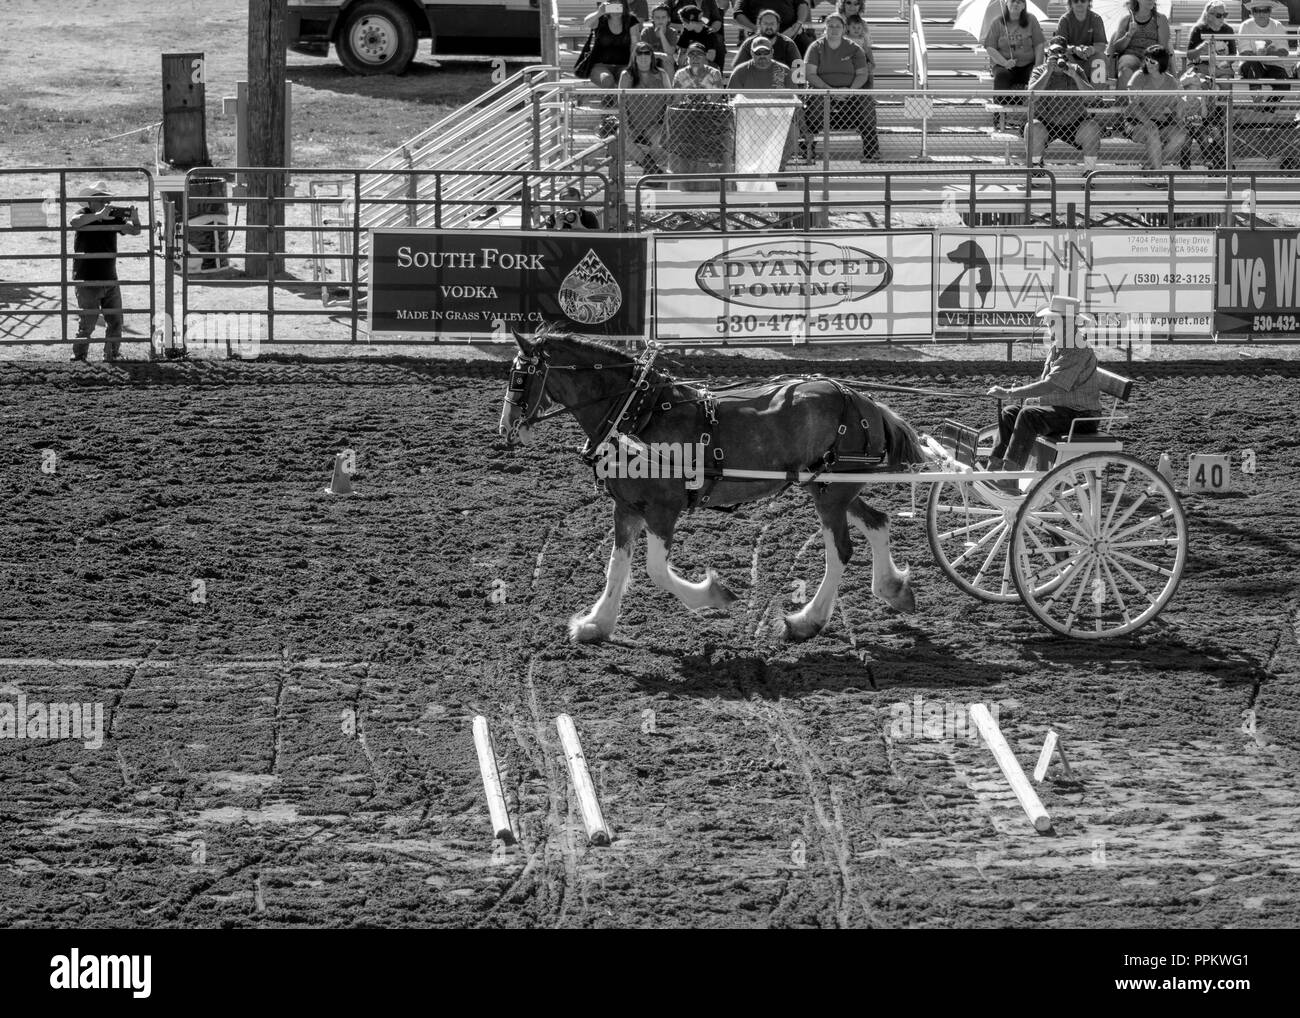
(1074, 372)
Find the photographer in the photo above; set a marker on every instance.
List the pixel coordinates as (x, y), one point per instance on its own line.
(1061, 116)
(94, 267)
(571, 218)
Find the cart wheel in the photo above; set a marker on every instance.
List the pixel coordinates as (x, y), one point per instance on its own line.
(1099, 546)
(970, 536)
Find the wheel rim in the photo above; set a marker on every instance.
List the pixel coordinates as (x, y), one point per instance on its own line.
(373, 39)
(1099, 546)
(970, 537)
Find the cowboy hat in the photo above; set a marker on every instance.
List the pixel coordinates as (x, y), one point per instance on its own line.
(1059, 305)
(99, 189)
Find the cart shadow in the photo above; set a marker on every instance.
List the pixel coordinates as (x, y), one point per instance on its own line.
(1158, 648)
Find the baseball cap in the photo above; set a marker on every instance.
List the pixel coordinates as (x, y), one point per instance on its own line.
(696, 47)
(761, 45)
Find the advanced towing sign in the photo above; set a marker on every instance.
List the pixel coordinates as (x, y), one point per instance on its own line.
(479, 284)
(810, 287)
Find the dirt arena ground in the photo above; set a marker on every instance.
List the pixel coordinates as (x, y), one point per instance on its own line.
(288, 680)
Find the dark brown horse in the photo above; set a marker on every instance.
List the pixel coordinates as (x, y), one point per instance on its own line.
(647, 434)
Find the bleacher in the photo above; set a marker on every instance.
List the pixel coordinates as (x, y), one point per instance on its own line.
(961, 126)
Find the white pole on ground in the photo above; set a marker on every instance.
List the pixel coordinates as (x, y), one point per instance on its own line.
(997, 745)
(592, 819)
(487, 764)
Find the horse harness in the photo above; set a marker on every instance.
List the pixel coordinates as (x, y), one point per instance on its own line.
(643, 401)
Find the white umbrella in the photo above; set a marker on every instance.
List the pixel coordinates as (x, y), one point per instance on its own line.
(975, 16)
(1112, 11)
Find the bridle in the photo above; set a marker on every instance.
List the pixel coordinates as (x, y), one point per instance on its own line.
(528, 364)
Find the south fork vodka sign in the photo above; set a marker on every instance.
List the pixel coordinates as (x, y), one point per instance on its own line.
(480, 284)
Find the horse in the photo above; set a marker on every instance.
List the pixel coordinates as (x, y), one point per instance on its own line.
(629, 408)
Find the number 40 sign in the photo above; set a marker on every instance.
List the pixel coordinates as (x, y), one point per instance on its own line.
(1212, 473)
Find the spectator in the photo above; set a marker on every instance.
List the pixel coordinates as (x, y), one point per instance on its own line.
(784, 51)
(660, 34)
(764, 71)
(695, 31)
(859, 34)
(1061, 116)
(711, 20)
(1205, 116)
(1205, 54)
(1084, 33)
(571, 218)
(793, 16)
(94, 264)
(698, 72)
(608, 49)
(1156, 121)
(645, 114)
(1066, 390)
(1014, 43)
(835, 62)
(1141, 27)
(1264, 36)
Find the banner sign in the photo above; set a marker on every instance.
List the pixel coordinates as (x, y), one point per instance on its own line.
(987, 281)
(810, 287)
(479, 284)
(1257, 281)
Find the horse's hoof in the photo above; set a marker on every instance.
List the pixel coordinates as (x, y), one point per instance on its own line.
(581, 631)
(723, 596)
(797, 629)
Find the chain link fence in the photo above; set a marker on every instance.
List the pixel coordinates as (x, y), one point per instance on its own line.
(1207, 125)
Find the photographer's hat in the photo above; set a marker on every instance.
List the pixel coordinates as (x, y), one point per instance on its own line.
(99, 189)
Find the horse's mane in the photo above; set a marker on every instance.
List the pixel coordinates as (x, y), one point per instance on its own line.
(548, 332)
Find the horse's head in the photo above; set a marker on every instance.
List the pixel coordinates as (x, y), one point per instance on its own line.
(526, 394)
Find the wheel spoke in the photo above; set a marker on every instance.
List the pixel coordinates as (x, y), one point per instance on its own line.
(988, 559)
(1055, 569)
(1086, 572)
(973, 510)
(1155, 542)
(1114, 588)
(1133, 580)
(1147, 521)
(1144, 564)
(970, 528)
(1065, 586)
(977, 546)
(1130, 510)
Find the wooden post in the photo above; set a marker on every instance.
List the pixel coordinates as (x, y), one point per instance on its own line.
(266, 113)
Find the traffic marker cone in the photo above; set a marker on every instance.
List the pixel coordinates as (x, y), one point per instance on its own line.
(341, 482)
(1165, 468)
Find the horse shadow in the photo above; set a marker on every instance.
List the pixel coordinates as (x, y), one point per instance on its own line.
(763, 674)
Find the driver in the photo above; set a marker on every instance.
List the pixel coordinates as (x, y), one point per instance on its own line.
(1067, 389)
